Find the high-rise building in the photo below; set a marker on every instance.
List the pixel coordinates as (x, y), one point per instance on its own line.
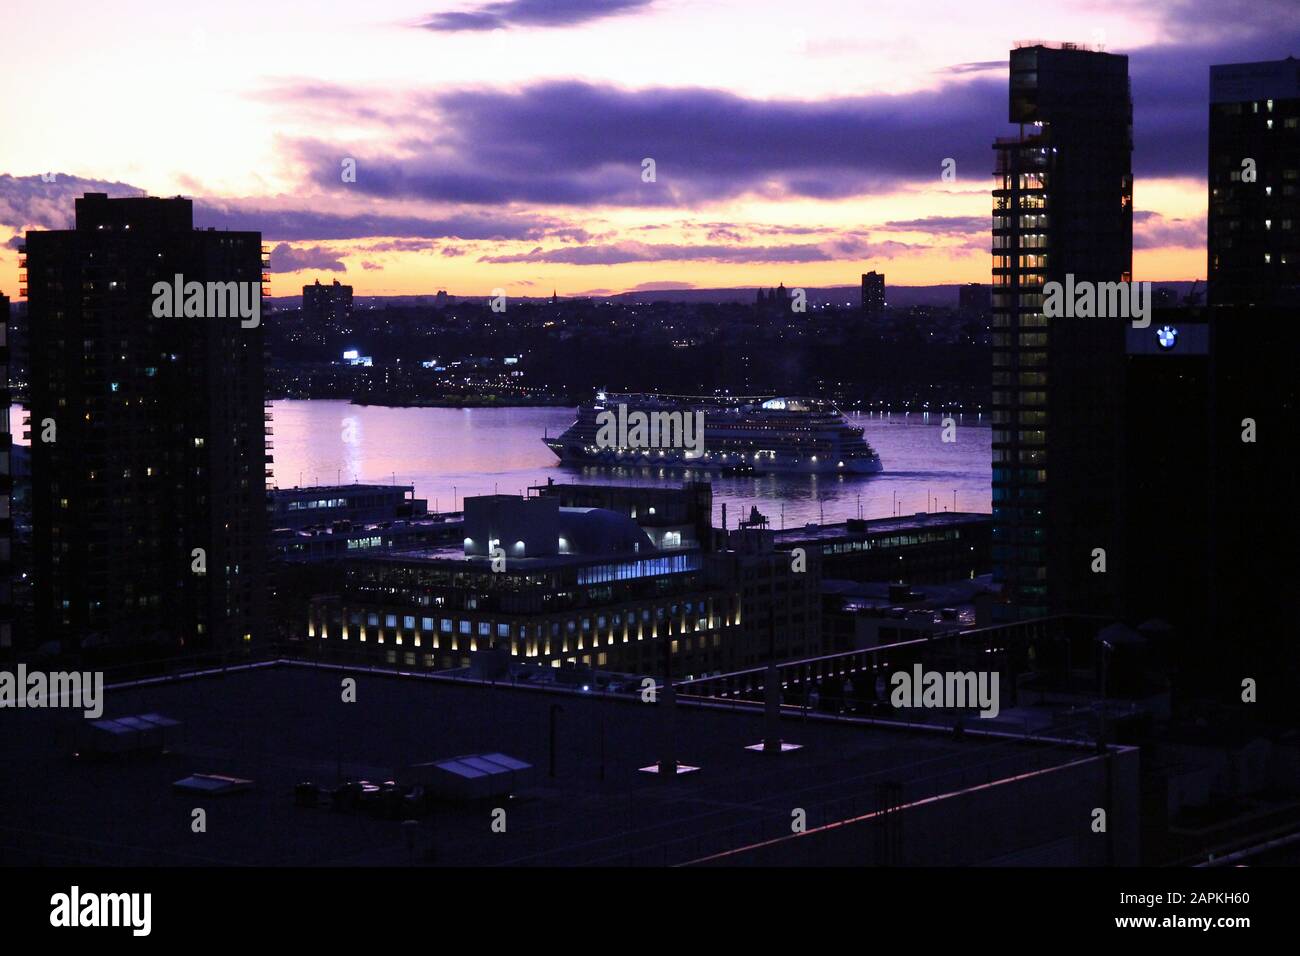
(873, 294)
(149, 448)
(328, 305)
(6, 489)
(974, 299)
(1165, 562)
(1063, 205)
(1254, 181)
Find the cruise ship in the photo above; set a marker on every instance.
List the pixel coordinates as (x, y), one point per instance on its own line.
(753, 435)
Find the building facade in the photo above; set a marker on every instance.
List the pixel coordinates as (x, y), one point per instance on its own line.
(1254, 183)
(149, 447)
(328, 305)
(1063, 206)
(873, 295)
(553, 585)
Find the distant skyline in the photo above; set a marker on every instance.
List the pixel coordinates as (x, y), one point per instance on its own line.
(500, 144)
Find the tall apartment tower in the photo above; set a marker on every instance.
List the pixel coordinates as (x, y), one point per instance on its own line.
(1063, 205)
(6, 491)
(328, 304)
(149, 448)
(1253, 235)
(873, 294)
(974, 299)
(1254, 182)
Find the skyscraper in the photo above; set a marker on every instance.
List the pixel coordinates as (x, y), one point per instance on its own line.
(974, 299)
(149, 457)
(1254, 182)
(328, 305)
(873, 294)
(1063, 192)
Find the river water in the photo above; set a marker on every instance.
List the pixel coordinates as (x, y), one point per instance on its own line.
(448, 453)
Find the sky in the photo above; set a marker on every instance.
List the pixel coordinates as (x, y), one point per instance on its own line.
(503, 144)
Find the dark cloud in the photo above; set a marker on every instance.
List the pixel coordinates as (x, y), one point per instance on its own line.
(1153, 231)
(944, 225)
(285, 258)
(623, 252)
(981, 66)
(28, 202)
(581, 144)
(661, 286)
(297, 224)
(530, 13)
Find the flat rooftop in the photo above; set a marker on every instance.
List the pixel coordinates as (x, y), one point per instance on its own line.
(282, 723)
(1267, 79)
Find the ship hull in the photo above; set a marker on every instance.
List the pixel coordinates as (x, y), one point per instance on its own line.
(671, 458)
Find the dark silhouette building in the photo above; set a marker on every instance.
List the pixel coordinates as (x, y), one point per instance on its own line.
(1254, 182)
(328, 305)
(873, 294)
(1207, 494)
(149, 455)
(777, 299)
(1063, 194)
(974, 299)
(1168, 469)
(1254, 479)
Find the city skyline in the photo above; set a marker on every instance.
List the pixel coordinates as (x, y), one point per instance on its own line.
(357, 510)
(803, 150)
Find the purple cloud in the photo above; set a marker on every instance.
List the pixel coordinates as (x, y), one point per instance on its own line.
(296, 224)
(580, 144)
(285, 258)
(944, 225)
(623, 252)
(530, 13)
(661, 286)
(1153, 231)
(28, 202)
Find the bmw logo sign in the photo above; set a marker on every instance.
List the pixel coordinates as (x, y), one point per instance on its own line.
(1167, 336)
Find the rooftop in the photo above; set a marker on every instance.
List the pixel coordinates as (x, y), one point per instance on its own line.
(283, 723)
